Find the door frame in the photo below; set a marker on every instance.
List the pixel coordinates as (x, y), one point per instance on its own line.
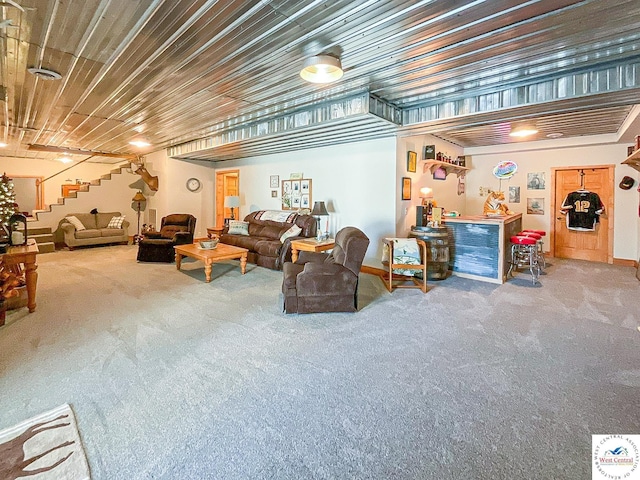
(219, 195)
(557, 203)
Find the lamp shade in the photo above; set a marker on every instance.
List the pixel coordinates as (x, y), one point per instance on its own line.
(139, 197)
(319, 209)
(232, 201)
(322, 69)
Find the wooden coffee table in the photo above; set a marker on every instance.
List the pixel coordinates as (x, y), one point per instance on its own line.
(221, 252)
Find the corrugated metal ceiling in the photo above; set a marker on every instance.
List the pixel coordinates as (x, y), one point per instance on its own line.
(198, 72)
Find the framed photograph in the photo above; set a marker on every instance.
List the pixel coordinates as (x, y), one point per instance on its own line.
(535, 206)
(304, 200)
(406, 188)
(412, 161)
(295, 187)
(286, 195)
(514, 194)
(535, 181)
(430, 152)
(439, 174)
(295, 176)
(305, 186)
(274, 193)
(274, 181)
(296, 201)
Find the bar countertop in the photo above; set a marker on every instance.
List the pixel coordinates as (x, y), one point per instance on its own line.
(483, 219)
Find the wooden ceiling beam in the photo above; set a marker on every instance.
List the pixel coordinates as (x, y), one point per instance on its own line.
(79, 151)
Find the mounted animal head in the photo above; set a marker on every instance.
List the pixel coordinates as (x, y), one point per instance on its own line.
(150, 180)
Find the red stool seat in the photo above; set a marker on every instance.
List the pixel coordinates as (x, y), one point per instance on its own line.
(526, 233)
(522, 240)
(542, 233)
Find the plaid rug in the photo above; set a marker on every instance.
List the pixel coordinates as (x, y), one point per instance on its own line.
(46, 447)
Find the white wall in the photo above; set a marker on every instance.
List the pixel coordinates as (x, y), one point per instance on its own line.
(541, 157)
(44, 168)
(445, 192)
(354, 180)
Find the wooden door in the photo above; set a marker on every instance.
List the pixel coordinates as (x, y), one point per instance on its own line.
(596, 246)
(227, 183)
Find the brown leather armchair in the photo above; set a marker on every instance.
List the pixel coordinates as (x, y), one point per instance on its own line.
(175, 229)
(318, 282)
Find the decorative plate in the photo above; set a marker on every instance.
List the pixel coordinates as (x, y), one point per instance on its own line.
(505, 170)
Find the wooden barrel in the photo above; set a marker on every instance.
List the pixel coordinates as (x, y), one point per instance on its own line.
(437, 240)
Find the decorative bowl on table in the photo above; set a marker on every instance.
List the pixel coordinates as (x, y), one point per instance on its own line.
(208, 244)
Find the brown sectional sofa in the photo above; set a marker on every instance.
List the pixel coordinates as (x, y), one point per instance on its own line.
(263, 241)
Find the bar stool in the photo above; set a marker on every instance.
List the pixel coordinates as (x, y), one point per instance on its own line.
(542, 233)
(524, 252)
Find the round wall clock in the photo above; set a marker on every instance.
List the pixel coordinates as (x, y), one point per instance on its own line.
(193, 184)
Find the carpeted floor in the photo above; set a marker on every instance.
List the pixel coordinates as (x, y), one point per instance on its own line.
(173, 378)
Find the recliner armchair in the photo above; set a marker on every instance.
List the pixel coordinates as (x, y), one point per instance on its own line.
(320, 282)
(175, 229)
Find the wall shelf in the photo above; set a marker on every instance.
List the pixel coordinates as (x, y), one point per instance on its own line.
(633, 160)
(433, 165)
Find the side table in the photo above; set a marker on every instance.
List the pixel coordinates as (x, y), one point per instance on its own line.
(310, 245)
(214, 231)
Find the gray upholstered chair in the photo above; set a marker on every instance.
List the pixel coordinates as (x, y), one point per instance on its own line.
(175, 229)
(320, 282)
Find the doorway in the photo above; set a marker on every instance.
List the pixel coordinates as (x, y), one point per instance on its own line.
(595, 246)
(227, 183)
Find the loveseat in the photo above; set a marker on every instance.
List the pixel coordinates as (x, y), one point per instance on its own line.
(93, 229)
(264, 230)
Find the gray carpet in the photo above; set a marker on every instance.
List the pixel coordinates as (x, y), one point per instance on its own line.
(173, 378)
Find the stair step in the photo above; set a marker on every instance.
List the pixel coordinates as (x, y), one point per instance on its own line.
(38, 230)
(95, 182)
(46, 247)
(106, 176)
(42, 238)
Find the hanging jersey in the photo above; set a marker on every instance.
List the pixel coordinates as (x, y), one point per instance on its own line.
(583, 209)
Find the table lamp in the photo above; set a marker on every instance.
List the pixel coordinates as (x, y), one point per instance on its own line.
(319, 210)
(232, 201)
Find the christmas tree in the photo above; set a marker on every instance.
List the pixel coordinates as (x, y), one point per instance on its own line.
(8, 205)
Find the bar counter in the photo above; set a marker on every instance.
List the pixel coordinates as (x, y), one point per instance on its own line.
(480, 246)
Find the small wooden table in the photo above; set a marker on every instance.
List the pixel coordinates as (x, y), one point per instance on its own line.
(214, 231)
(221, 252)
(25, 255)
(310, 245)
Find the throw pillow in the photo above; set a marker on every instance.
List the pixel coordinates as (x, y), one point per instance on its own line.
(116, 222)
(75, 222)
(294, 231)
(238, 227)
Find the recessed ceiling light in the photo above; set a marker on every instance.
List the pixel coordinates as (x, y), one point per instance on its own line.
(523, 131)
(140, 142)
(65, 160)
(44, 74)
(322, 69)
(554, 135)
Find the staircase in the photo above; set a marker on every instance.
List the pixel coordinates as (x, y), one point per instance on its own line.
(43, 237)
(111, 192)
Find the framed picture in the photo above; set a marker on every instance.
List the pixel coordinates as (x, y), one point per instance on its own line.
(439, 174)
(295, 187)
(535, 206)
(304, 200)
(295, 176)
(305, 186)
(430, 152)
(274, 181)
(295, 194)
(406, 188)
(535, 181)
(514, 194)
(274, 193)
(412, 160)
(286, 195)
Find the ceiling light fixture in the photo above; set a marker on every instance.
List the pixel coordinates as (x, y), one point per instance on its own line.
(523, 131)
(3, 144)
(555, 135)
(44, 73)
(140, 142)
(322, 68)
(65, 160)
